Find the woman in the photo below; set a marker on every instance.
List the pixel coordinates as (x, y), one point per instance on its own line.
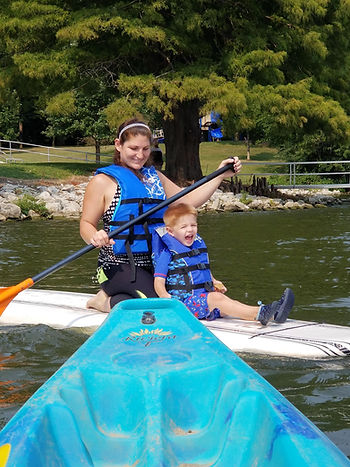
(120, 192)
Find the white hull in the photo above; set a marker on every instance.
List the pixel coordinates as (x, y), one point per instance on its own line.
(299, 339)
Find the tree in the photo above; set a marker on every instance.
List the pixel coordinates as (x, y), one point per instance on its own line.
(176, 60)
(79, 114)
(179, 100)
(27, 29)
(9, 117)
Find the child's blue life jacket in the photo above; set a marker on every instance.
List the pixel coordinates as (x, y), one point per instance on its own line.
(136, 198)
(188, 270)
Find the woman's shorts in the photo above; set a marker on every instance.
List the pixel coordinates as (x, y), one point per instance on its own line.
(198, 305)
(119, 283)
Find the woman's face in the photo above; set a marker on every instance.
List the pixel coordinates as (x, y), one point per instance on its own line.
(134, 152)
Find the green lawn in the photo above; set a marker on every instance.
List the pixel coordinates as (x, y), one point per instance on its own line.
(37, 166)
(211, 154)
(46, 170)
(38, 163)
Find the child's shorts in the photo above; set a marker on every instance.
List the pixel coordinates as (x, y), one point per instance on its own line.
(198, 305)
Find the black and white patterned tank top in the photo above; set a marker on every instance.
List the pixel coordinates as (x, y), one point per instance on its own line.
(107, 257)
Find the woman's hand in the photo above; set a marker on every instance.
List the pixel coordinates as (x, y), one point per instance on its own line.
(100, 238)
(237, 165)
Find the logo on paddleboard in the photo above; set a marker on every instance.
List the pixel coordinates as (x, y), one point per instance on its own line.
(149, 336)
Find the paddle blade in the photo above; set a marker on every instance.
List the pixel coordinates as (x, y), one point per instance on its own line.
(4, 454)
(9, 293)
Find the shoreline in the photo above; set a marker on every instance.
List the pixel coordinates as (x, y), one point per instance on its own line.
(52, 199)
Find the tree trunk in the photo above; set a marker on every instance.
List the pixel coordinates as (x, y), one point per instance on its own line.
(182, 138)
(98, 151)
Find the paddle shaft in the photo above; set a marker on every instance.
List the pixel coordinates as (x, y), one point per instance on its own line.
(128, 224)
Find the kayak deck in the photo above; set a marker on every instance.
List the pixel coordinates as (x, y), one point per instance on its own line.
(153, 387)
(294, 338)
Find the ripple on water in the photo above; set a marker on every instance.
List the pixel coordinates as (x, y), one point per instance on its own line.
(29, 355)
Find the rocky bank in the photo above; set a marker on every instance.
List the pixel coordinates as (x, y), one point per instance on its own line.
(65, 200)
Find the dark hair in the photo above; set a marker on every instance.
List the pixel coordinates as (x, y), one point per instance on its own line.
(135, 130)
(156, 158)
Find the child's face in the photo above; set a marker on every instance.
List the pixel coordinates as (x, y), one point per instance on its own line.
(185, 229)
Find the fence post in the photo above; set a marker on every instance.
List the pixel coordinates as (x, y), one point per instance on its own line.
(48, 154)
(294, 174)
(11, 149)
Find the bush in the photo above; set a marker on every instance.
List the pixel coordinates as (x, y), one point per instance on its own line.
(302, 180)
(27, 203)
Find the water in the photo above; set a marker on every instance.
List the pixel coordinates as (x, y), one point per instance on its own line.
(256, 255)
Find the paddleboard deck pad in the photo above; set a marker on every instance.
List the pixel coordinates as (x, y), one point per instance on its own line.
(294, 338)
(153, 387)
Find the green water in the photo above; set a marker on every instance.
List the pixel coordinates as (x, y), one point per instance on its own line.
(256, 255)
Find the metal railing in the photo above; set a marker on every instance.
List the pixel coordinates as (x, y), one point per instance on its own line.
(10, 150)
(14, 148)
(293, 173)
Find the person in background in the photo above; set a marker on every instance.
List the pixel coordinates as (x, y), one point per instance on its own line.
(156, 157)
(182, 271)
(120, 192)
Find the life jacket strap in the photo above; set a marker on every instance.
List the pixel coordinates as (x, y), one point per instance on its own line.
(186, 269)
(142, 200)
(153, 220)
(190, 253)
(131, 261)
(148, 236)
(208, 286)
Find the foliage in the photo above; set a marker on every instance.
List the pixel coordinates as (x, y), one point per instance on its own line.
(302, 180)
(278, 70)
(75, 113)
(315, 147)
(28, 203)
(245, 199)
(9, 116)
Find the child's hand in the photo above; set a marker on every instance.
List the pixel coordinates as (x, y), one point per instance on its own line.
(219, 286)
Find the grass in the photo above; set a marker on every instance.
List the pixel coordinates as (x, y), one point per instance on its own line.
(211, 154)
(46, 170)
(35, 166)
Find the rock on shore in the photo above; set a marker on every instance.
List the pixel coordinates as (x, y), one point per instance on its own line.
(65, 200)
(290, 199)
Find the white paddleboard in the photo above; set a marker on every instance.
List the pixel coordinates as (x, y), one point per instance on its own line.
(294, 338)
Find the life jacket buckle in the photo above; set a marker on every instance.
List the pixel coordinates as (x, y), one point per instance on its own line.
(194, 252)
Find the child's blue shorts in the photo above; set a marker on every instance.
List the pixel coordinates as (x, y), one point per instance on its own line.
(198, 305)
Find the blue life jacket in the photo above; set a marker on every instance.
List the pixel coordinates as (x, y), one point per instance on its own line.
(189, 269)
(136, 198)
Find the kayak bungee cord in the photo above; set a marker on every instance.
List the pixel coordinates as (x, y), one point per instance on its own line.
(9, 293)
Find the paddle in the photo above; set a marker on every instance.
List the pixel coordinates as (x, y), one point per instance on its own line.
(9, 293)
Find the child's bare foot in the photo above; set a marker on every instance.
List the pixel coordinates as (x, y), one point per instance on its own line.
(100, 301)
